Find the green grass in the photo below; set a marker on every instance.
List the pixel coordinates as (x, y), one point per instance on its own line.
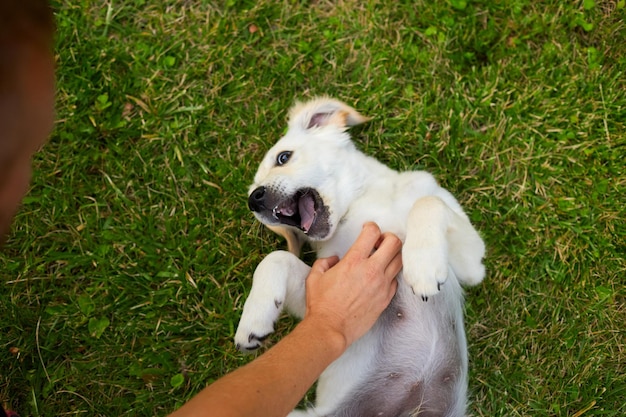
(126, 271)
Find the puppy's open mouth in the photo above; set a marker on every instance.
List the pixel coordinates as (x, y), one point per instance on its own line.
(301, 210)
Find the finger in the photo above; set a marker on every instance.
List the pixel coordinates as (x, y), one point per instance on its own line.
(393, 287)
(394, 267)
(379, 241)
(324, 264)
(366, 242)
(389, 246)
(389, 291)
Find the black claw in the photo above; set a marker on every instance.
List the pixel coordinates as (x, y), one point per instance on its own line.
(253, 336)
(425, 297)
(247, 348)
(439, 286)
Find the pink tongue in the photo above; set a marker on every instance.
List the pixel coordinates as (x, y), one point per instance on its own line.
(307, 212)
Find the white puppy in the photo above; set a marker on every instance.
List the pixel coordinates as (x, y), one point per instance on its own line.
(315, 186)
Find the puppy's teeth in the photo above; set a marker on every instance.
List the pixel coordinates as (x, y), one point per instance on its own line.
(284, 211)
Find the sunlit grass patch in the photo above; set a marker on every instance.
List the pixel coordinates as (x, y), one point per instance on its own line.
(125, 274)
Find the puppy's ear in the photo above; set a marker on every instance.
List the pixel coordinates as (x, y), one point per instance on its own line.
(294, 241)
(322, 112)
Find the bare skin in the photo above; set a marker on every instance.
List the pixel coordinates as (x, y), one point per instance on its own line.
(26, 96)
(344, 299)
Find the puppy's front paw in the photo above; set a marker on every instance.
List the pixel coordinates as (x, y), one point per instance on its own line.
(256, 324)
(425, 269)
(252, 342)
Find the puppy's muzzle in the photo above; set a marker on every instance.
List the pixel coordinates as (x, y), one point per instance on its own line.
(256, 201)
(302, 209)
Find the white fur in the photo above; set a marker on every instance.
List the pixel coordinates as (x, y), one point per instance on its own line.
(424, 346)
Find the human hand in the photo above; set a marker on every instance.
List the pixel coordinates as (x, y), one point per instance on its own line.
(348, 296)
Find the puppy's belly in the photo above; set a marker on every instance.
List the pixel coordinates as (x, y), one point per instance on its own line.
(415, 362)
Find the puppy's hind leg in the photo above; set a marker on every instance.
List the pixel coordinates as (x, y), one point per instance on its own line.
(466, 250)
(278, 283)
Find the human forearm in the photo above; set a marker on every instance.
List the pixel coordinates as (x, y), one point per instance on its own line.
(343, 300)
(272, 384)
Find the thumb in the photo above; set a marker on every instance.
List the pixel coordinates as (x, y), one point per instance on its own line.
(324, 264)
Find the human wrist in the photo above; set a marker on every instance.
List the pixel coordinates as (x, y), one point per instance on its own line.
(322, 329)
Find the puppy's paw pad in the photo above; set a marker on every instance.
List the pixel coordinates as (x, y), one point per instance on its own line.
(257, 323)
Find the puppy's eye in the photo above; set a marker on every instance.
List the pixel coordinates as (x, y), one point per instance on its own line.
(283, 157)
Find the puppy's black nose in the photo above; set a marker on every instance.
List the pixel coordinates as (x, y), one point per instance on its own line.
(256, 201)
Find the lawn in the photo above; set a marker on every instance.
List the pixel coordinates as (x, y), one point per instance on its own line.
(124, 276)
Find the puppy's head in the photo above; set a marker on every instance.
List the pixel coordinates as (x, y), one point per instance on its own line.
(297, 189)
